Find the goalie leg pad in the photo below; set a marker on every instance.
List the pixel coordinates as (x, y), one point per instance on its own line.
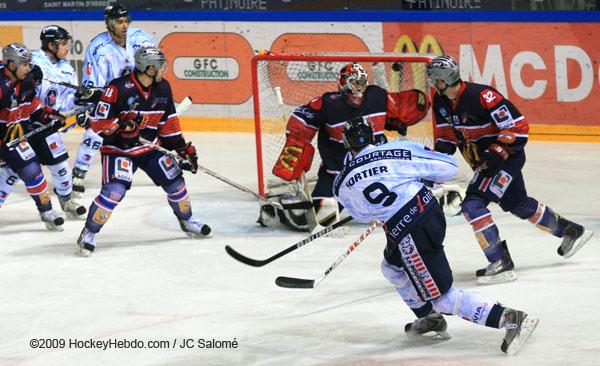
(295, 158)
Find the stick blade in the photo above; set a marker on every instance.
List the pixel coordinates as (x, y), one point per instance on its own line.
(242, 258)
(291, 282)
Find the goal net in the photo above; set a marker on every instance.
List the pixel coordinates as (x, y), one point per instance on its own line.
(283, 82)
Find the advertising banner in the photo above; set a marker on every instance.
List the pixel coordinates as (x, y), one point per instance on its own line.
(549, 70)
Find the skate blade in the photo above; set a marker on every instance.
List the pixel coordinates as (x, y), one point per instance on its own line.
(580, 242)
(429, 337)
(82, 252)
(53, 227)
(527, 327)
(198, 236)
(507, 276)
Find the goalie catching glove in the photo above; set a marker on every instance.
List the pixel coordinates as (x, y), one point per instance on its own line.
(190, 157)
(295, 158)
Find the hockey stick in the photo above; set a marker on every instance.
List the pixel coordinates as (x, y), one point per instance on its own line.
(183, 106)
(11, 144)
(301, 243)
(292, 282)
(62, 83)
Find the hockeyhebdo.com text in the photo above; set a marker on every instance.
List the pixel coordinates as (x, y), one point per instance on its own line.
(114, 343)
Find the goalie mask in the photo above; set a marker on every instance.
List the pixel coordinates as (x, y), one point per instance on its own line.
(353, 78)
(444, 68)
(358, 134)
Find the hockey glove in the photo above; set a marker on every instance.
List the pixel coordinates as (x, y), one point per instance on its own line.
(37, 74)
(492, 160)
(394, 124)
(445, 147)
(295, 158)
(190, 156)
(85, 95)
(129, 133)
(83, 119)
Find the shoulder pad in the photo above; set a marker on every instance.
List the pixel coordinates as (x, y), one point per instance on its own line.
(316, 103)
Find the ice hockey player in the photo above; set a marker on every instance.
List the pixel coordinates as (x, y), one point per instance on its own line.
(19, 109)
(50, 63)
(108, 56)
(383, 183)
(134, 105)
(326, 115)
(491, 134)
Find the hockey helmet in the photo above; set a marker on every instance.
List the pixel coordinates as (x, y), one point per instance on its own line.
(115, 11)
(53, 33)
(358, 134)
(353, 78)
(16, 52)
(149, 56)
(443, 68)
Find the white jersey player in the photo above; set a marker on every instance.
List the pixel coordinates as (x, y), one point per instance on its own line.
(51, 64)
(384, 183)
(108, 56)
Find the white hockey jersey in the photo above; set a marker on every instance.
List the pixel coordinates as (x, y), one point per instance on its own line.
(381, 180)
(105, 60)
(55, 96)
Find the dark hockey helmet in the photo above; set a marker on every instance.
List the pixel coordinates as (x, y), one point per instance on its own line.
(53, 33)
(353, 78)
(358, 134)
(115, 11)
(443, 68)
(16, 52)
(149, 56)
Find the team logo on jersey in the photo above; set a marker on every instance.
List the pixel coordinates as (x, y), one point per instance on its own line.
(504, 120)
(443, 112)
(51, 97)
(129, 85)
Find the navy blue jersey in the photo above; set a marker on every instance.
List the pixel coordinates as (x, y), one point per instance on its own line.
(478, 117)
(153, 110)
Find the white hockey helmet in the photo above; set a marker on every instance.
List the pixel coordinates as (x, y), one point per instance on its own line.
(149, 56)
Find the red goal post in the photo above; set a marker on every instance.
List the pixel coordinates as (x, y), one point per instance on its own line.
(281, 82)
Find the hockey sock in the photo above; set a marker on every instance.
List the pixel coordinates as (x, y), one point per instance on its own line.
(87, 150)
(62, 178)
(398, 277)
(36, 185)
(8, 179)
(545, 219)
(178, 198)
(487, 235)
(103, 206)
(469, 305)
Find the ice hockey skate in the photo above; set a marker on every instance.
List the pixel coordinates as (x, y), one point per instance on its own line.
(86, 243)
(575, 237)
(431, 327)
(499, 271)
(72, 208)
(52, 220)
(194, 228)
(78, 185)
(519, 327)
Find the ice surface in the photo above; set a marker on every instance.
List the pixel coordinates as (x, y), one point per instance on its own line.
(147, 281)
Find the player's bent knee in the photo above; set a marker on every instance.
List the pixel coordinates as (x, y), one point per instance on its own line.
(29, 172)
(474, 206)
(114, 190)
(394, 274)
